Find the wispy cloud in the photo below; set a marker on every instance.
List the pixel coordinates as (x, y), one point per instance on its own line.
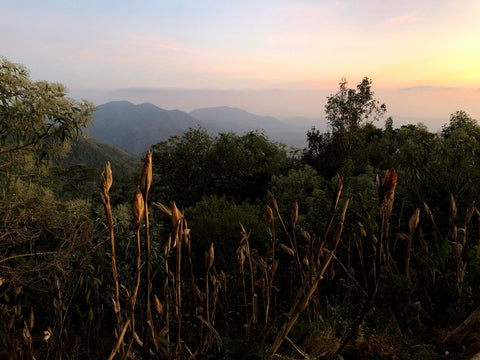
(429, 88)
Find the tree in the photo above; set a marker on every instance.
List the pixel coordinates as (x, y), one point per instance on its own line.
(348, 109)
(37, 121)
(461, 120)
(180, 167)
(194, 165)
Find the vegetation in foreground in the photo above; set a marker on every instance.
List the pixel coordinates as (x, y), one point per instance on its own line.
(234, 247)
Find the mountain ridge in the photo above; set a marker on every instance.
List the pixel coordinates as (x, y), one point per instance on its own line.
(136, 127)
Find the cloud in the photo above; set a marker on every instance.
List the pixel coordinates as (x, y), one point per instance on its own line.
(429, 88)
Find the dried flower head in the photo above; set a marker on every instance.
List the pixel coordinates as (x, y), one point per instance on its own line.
(106, 178)
(338, 192)
(31, 319)
(176, 215)
(429, 212)
(272, 199)
(158, 305)
(269, 215)
(453, 209)
(209, 256)
(469, 213)
(288, 250)
(386, 191)
(138, 206)
(294, 215)
(412, 224)
(146, 178)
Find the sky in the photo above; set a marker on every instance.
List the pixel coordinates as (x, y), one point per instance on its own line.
(270, 57)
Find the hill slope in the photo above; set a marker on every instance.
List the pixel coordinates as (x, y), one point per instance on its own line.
(93, 153)
(134, 128)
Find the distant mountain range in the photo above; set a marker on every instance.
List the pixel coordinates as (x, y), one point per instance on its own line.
(134, 128)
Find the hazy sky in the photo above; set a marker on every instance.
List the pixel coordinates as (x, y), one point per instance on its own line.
(423, 55)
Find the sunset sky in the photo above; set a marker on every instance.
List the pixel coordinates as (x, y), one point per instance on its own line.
(423, 55)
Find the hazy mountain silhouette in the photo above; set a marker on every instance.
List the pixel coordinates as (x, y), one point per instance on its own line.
(224, 119)
(134, 128)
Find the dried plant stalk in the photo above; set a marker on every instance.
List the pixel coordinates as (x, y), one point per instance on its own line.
(145, 182)
(106, 180)
(412, 226)
(138, 210)
(298, 307)
(386, 192)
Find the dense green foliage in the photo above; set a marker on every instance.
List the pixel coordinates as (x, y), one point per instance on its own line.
(196, 164)
(37, 120)
(406, 278)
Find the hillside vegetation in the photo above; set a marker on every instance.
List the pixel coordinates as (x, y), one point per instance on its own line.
(364, 245)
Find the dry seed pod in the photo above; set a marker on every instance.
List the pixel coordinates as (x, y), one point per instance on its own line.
(294, 215)
(138, 206)
(403, 236)
(168, 245)
(31, 320)
(275, 266)
(10, 323)
(240, 257)
(412, 224)
(47, 334)
(429, 213)
(470, 211)
(27, 337)
(288, 250)
(389, 183)
(387, 192)
(453, 209)
(176, 215)
(272, 200)
(106, 178)
(164, 210)
(338, 191)
(209, 256)
(362, 229)
(187, 239)
(146, 178)
(158, 305)
(305, 261)
(269, 215)
(306, 235)
(454, 233)
(115, 306)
